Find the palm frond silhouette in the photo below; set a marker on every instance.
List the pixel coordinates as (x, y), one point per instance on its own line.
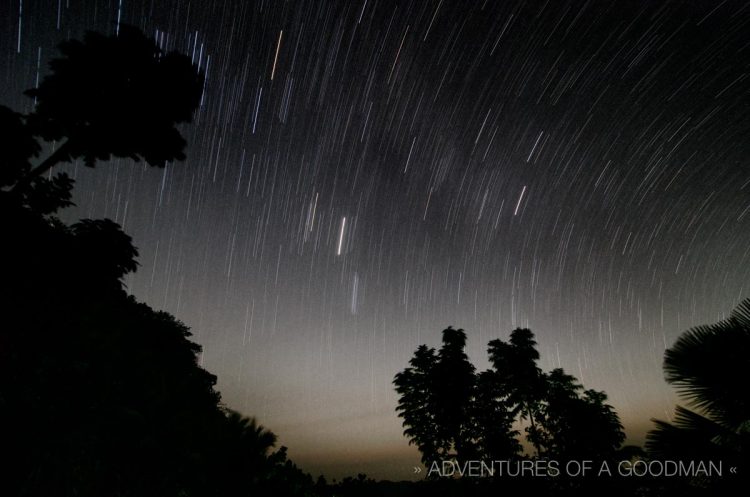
(709, 366)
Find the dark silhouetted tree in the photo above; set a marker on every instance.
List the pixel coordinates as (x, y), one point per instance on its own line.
(100, 394)
(435, 399)
(453, 390)
(20, 147)
(709, 366)
(565, 422)
(114, 96)
(493, 417)
(519, 378)
(450, 411)
(416, 404)
(577, 424)
(243, 461)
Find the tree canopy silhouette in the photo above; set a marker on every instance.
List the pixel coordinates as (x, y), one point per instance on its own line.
(451, 412)
(110, 96)
(435, 399)
(709, 366)
(100, 394)
(416, 404)
(520, 380)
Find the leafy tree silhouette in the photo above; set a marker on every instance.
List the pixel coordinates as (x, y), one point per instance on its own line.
(436, 393)
(446, 405)
(243, 462)
(453, 388)
(577, 423)
(41, 195)
(98, 94)
(565, 422)
(493, 417)
(708, 366)
(519, 378)
(100, 394)
(416, 404)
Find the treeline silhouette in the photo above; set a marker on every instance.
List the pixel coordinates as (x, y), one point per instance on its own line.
(454, 414)
(100, 395)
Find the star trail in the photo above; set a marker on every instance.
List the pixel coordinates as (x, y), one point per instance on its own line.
(362, 174)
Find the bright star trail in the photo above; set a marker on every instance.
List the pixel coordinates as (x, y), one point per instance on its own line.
(361, 175)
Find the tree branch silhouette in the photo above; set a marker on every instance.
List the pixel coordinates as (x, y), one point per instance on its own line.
(61, 154)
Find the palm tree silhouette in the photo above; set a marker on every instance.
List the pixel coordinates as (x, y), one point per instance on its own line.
(253, 439)
(709, 367)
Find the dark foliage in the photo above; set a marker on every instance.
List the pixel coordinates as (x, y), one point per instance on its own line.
(447, 406)
(453, 385)
(709, 366)
(414, 385)
(19, 147)
(521, 382)
(117, 96)
(100, 394)
(577, 423)
(493, 417)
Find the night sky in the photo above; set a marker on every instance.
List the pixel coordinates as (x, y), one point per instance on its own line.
(362, 174)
